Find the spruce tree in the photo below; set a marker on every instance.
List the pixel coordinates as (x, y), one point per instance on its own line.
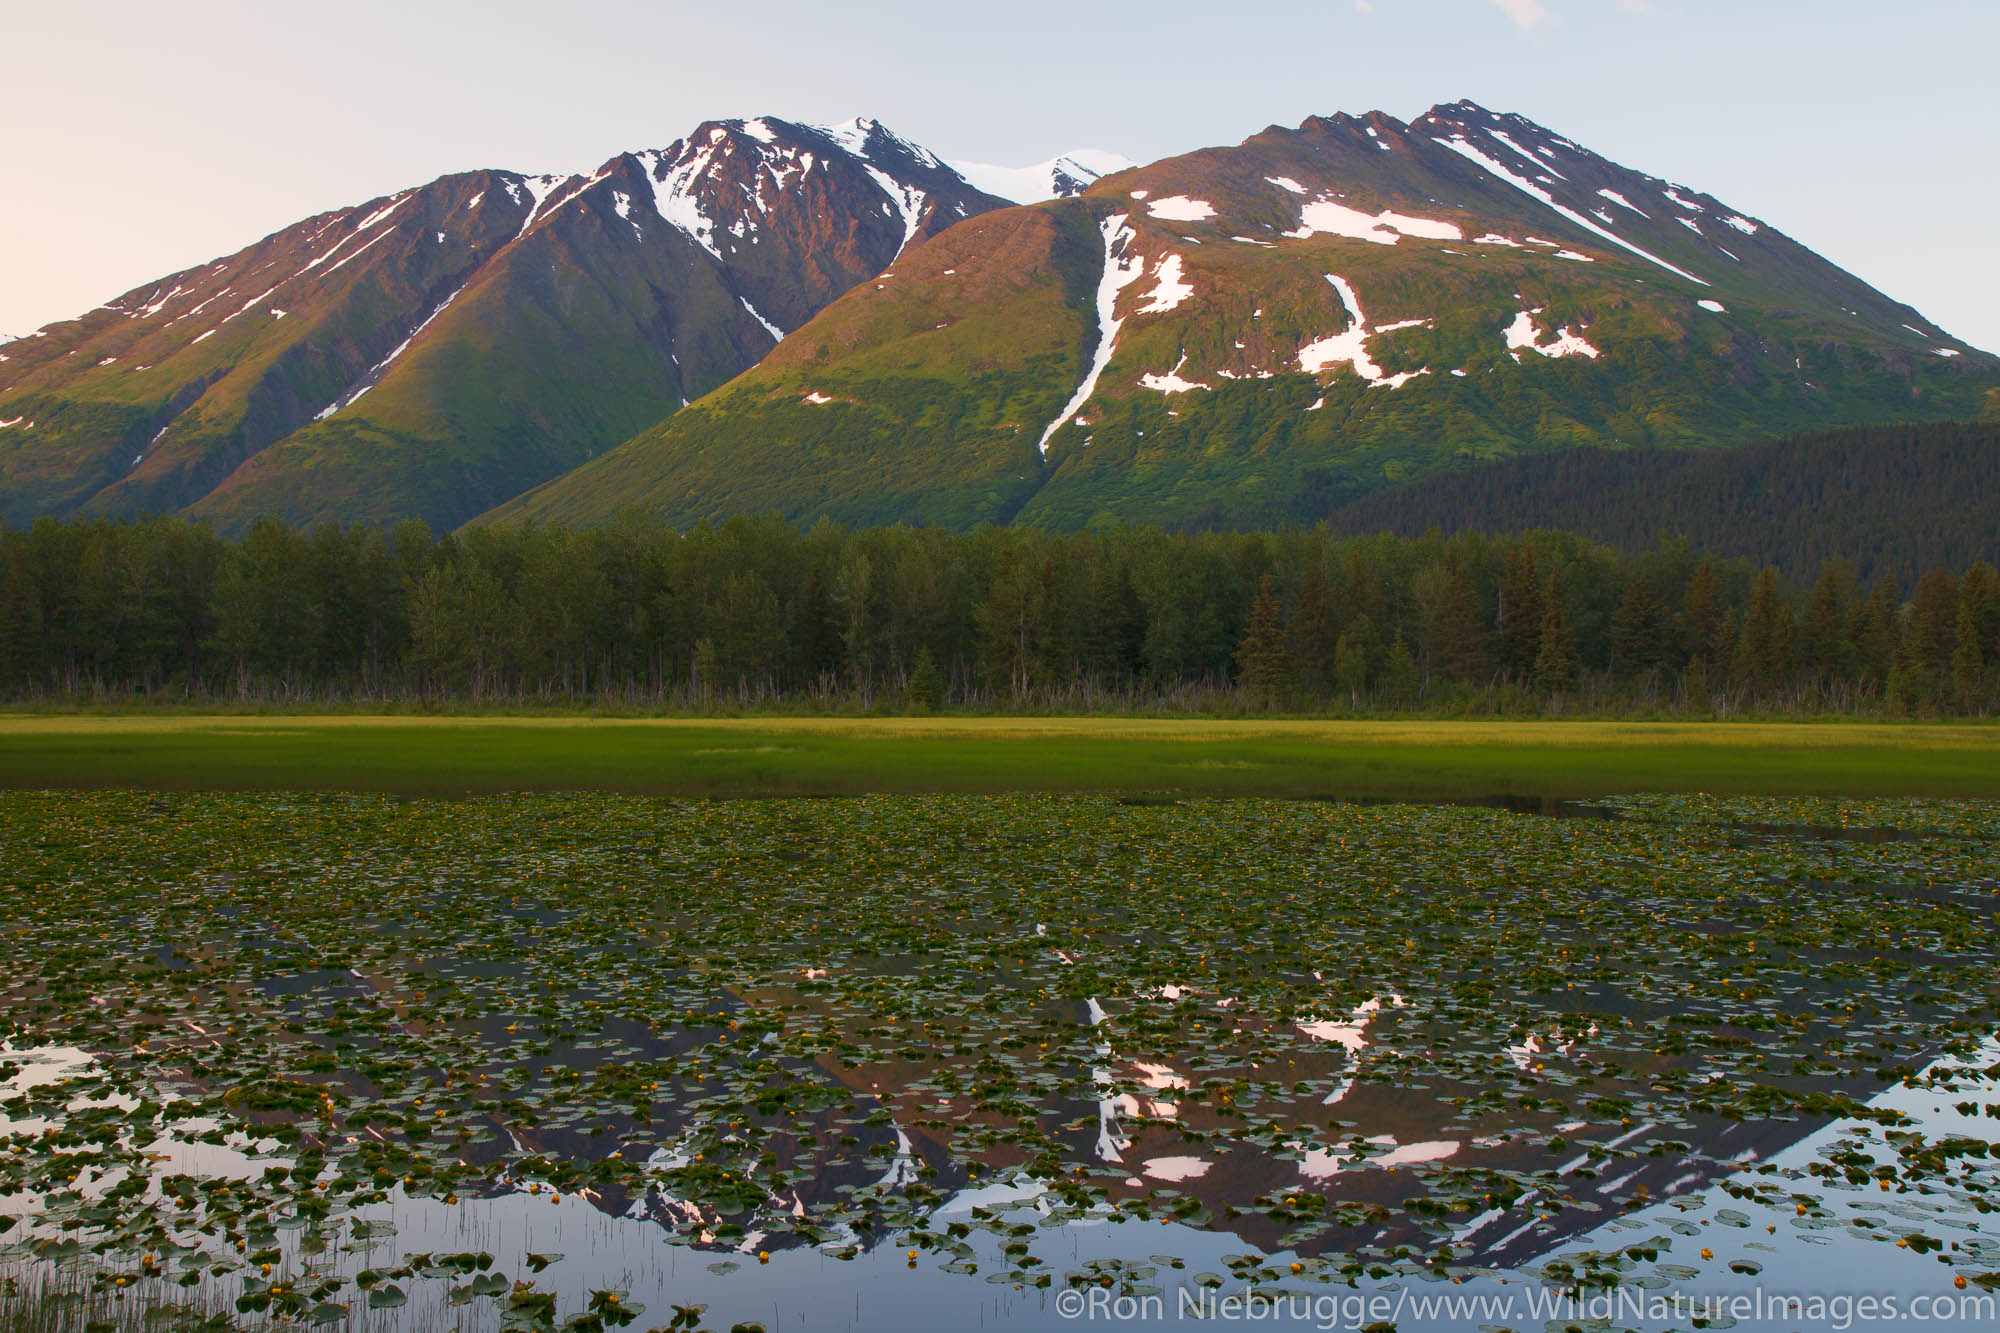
(1876, 634)
(926, 687)
(1641, 629)
(1264, 656)
(1764, 647)
(1825, 641)
(1934, 621)
(1521, 613)
(1354, 658)
(1558, 668)
(1702, 616)
(1979, 598)
(1968, 661)
(1463, 651)
(1313, 635)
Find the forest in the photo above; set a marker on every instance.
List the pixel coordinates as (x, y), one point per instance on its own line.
(1896, 500)
(756, 613)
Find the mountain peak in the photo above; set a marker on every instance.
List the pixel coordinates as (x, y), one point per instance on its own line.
(1061, 177)
(461, 320)
(1241, 333)
(871, 140)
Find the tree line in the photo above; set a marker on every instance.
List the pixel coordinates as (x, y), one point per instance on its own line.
(757, 613)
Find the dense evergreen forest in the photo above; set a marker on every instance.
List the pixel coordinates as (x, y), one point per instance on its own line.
(1895, 500)
(757, 613)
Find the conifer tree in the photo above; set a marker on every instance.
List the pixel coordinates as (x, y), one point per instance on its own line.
(1933, 621)
(814, 637)
(1462, 651)
(1825, 642)
(1968, 662)
(926, 687)
(1641, 628)
(1876, 634)
(1702, 616)
(1764, 646)
(1354, 658)
(1558, 668)
(1314, 638)
(1521, 613)
(1979, 600)
(1264, 656)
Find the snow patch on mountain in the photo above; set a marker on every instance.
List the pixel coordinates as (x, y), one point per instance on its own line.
(381, 368)
(1180, 208)
(1061, 177)
(1502, 137)
(1120, 271)
(1621, 200)
(1171, 382)
(1349, 347)
(1523, 336)
(1384, 228)
(1169, 291)
(907, 200)
(777, 334)
(673, 194)
(621, 203)
(382, 213)
(1458, 145)
(540, 190)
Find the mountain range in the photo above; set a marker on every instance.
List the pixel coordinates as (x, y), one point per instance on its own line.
(834, 322)
(437, 351)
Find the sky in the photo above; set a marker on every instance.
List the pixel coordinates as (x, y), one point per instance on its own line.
(137, 139)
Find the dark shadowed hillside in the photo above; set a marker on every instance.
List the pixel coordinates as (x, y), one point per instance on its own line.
(1892, 499)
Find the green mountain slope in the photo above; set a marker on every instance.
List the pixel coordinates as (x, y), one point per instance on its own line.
(435, 352)
(1258, 333)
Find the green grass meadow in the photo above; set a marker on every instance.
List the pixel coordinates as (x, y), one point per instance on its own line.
(723, 757)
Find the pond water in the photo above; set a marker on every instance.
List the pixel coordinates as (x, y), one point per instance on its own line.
(1018, 1062)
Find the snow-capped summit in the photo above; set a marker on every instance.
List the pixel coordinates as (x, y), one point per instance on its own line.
(866, 137)
(1061, 177)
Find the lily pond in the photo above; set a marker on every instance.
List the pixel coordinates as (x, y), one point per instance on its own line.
(1017, 1062)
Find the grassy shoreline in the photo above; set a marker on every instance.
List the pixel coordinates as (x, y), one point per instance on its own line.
(805, 755)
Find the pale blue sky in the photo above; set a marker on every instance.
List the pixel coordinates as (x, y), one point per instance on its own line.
(140, 138)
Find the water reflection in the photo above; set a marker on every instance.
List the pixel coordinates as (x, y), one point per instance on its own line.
(1027, 1111)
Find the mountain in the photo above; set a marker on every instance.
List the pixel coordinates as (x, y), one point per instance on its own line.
(1261, 333)
(1058, 178)
(437, 351)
